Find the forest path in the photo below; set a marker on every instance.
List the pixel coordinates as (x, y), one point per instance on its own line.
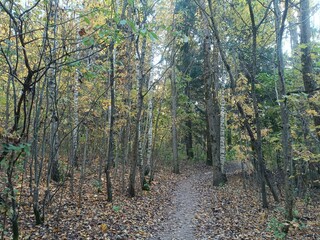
(180, 224)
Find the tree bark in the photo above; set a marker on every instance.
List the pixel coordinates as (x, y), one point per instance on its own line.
(306, 61)
(286, 134)
(213, 113)
(110, 160)
(176, 167)
(252, 78)
(53, 173)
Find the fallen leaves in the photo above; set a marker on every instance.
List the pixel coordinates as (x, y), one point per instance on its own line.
(226, 212)
(231, 212)
(125, 218)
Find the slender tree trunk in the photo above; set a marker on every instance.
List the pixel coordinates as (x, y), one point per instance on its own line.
(75, 126)
(150, 136)
(227, 66)
(110, 160)
(252, 78)
(152, 162)
(34, 151)
(174, 98)
(222, 130)
(83, 166)
(286, 135)
(137, 141)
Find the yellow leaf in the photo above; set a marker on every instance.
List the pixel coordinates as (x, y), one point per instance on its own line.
(312, 112)
(104, 227)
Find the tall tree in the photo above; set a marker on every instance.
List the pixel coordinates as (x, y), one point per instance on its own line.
(252, 76)
(110, 159)
(187, 9)
(280, 18)
(310, 85)
(53, 168)
(141, 51)
(212, 110)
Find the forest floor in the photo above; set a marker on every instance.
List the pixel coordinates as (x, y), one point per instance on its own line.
(183, 206)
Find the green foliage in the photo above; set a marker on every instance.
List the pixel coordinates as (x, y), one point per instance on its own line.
(25, 147)
(231, 154)
(276, 228)
(97, 184)
(116, 208)
(146, 186)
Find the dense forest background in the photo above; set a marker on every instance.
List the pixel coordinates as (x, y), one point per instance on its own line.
(102, 96)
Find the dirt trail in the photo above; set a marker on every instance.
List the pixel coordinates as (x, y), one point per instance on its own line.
(180, 223)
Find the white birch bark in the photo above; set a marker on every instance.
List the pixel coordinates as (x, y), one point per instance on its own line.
(222, 130)
(53, 170)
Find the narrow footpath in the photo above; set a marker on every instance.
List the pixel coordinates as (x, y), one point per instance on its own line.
(180, 224)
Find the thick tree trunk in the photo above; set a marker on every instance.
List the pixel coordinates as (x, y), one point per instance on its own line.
(54, 173)
(306, 61)
(213, 114)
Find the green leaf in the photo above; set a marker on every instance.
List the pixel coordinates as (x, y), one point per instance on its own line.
(143, 31)
(123, 22)
(88, 41)
(14, 148)
(153, 36)
(131, 2)
(116, 208)
(132, 25)
(87, 20)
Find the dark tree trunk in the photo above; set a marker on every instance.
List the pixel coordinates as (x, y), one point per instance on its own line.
(306, 60)
(213, 113)
(286, 135)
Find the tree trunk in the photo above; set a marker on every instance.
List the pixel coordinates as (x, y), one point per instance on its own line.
(222, 131)
(53, 173)
(110, 160)
(136, 151)
(174, 99)
(213, 113)
(227, 66)
(252, 78)
(309, 82)
(286, 135)
(83, 165)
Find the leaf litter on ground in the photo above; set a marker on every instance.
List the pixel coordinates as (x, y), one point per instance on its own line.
(225, 212)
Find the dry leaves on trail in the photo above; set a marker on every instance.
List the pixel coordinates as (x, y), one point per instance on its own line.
(230, 212)
(124, 218)
(226, 212)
